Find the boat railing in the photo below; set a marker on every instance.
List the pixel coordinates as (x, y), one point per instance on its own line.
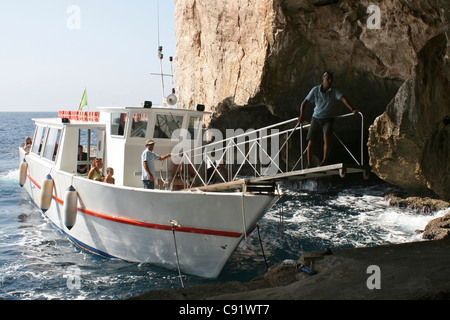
(252, 154)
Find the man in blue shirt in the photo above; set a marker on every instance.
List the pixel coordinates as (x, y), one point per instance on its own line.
(324, 97)
(148, 164)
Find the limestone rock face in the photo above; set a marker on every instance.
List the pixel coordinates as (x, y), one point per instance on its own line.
(409, 144)
(434, 163)
(221, 50)
(233, 55)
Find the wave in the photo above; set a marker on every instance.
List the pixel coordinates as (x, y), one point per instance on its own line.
(354, 217)
(10, 176)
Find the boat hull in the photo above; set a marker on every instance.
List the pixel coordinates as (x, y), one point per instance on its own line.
(133, 224)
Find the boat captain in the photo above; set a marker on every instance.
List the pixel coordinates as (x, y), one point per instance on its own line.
(148, 165)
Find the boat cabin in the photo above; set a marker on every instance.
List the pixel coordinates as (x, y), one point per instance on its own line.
(117, 135)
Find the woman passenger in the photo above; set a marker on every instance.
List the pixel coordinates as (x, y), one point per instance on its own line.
(96, 171)
(28, 143)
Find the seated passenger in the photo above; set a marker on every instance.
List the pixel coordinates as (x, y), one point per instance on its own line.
(96, 171)
(109, 178)
(28, 143)
(82, 156)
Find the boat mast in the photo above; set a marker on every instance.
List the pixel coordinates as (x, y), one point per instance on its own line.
(161, 56)
(171, 99)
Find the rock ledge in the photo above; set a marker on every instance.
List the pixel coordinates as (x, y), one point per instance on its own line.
(417, 270)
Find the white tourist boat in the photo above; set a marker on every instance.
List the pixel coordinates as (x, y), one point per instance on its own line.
(193, 230)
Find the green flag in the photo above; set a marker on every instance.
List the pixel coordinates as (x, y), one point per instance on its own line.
(83, 101)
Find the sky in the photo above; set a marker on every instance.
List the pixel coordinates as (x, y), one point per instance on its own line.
(52, 50)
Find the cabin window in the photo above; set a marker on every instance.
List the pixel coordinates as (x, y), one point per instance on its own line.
(118, 124)
(83, 165)
(166, 124)
(139, 125)
(51, 147)
(38, 140)
(194, 126)
(90, 146)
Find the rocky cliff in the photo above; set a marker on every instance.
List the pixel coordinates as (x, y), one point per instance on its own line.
(409, 144)
(241, 57)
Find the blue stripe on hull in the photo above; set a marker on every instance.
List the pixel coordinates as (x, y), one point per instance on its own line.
(74, 240)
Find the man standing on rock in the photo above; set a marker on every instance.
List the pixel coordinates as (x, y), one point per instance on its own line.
(324, 97)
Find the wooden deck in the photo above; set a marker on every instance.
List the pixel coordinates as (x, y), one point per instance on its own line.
(268, 183)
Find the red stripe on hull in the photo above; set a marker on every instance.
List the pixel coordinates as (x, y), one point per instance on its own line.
(229, 234)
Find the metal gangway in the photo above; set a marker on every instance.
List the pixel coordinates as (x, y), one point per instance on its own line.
(254, 161)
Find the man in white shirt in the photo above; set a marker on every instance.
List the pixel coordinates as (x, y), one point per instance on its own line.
(148, 165)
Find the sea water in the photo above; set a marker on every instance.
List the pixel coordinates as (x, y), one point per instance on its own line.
(39, 262)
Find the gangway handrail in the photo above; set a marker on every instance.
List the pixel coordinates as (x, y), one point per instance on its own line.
(229, 142)
(244, 134)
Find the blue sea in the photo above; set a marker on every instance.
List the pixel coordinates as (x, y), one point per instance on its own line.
(37, 262)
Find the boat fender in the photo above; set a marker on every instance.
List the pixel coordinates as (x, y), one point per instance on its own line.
(46, 193)
(23, 172)
(70, 207)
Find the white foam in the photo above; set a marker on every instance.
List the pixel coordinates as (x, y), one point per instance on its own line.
(10, 176)
(353, 217)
